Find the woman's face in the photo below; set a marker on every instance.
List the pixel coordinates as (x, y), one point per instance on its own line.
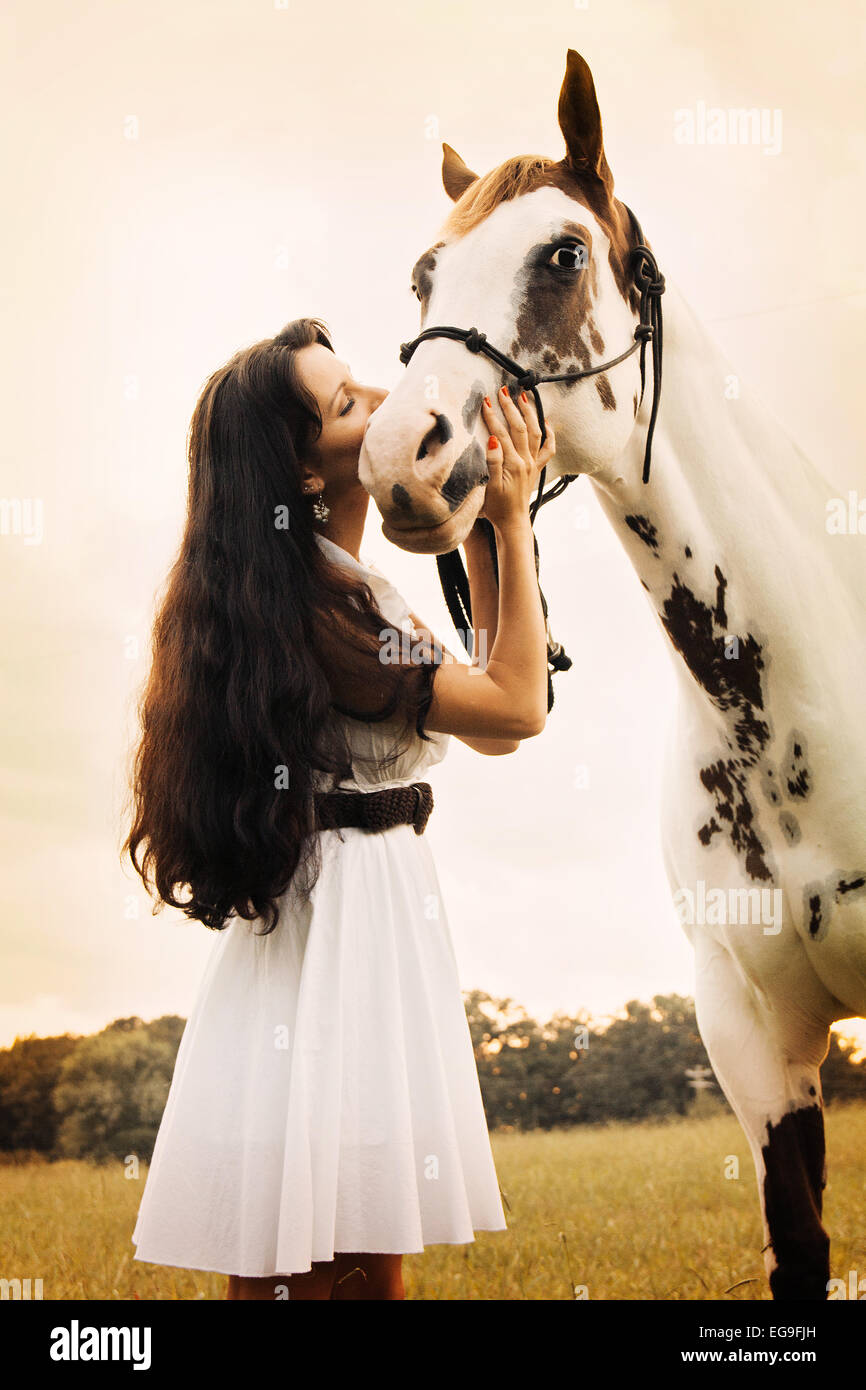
(345, 408)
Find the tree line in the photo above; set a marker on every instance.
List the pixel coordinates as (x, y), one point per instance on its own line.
(101, 1097)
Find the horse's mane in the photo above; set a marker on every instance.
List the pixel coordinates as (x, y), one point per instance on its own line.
(515, 177)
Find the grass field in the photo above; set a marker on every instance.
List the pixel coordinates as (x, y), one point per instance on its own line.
(627, 1211)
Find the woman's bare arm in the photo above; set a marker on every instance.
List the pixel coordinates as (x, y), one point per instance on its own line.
(492, 747)
(507, 699)
(484, 597)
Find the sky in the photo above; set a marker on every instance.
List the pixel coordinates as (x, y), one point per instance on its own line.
(188, 177)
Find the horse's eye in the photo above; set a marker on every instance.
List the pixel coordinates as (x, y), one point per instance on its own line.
(571, 257)
(417, 293)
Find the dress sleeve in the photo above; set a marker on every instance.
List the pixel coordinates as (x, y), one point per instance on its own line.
(366, 688)
(372, 691)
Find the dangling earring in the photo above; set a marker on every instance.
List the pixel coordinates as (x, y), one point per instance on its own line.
(320, 510)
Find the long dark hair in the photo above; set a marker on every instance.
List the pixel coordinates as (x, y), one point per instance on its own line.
(258, 642)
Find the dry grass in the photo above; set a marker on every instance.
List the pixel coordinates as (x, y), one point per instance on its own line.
(640, 1211)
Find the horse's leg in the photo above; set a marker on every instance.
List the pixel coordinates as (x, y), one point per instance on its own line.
(777, 1099)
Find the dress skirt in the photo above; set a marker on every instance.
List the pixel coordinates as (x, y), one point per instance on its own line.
(325, 1095)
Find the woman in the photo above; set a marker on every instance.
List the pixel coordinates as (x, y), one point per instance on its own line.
(324, 1115)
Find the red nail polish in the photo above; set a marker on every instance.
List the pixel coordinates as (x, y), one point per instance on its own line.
(492, 442)
(488, 401)
(523, 396)
(505, 390)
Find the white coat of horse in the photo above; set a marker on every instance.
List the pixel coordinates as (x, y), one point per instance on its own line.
(762, 608)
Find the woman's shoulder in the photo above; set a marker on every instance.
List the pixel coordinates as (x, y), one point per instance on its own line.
(389, 600)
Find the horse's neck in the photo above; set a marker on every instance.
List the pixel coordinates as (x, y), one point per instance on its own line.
(723, 469)
(729, 495)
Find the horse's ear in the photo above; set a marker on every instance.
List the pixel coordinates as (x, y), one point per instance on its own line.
(580, 122)
(456, 176)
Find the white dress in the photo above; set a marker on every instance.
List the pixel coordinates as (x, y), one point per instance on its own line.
(325, 1095)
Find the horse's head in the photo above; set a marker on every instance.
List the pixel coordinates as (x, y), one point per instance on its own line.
(536, 255)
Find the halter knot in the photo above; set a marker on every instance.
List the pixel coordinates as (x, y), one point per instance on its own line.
(528, 381)
(406, 350)
(648, 277)
(475, 341)
(651, 284)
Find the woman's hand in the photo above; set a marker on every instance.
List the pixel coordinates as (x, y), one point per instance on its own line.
(515, 456)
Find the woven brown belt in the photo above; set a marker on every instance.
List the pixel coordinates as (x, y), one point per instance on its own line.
(380, 810)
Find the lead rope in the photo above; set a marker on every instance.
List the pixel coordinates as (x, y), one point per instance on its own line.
(651, 284)
(455, 588)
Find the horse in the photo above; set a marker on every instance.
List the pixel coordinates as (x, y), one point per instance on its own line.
(758, 602)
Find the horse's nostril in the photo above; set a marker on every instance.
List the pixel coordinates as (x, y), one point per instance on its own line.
(439, 433)
(444, 427)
